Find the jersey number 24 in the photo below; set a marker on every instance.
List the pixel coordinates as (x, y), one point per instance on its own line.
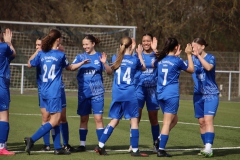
(51, 73)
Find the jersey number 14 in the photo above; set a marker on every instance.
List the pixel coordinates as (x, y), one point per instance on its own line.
(126, 76)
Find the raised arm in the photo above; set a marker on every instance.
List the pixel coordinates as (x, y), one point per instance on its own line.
(133, 46)
(103, 59)
(7, 36)
(139, 52)
(178, 51)
(154, 44)
(32, 57)
(188, 50)
(204, 63)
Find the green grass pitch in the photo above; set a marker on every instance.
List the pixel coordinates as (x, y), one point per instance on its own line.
(184, 141)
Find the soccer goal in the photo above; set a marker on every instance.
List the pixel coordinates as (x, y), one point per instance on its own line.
(26, 33)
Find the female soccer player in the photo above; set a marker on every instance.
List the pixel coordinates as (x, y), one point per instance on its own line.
(90, 65)
(7, 54)
(124, 100)
(51, 61)
(205, 93)
(169, 67)
(46, 115)
(146, 86)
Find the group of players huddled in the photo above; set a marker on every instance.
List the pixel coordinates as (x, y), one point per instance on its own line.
(142, 75)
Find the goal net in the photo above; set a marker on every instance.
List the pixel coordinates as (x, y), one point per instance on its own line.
(26, 33)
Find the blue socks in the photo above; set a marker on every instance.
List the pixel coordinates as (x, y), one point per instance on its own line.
(65, 133)
(106, 134)
(155, 132)
(203, 138)
(99, 132)
(83, 134)
(134, 138)
(46, 139)
(4, 130)
(56, 137)
(209, 137)
(163, 141)
(41, 131)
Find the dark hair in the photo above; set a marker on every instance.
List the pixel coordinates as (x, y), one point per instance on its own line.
(124, 44)
(48, 41)
(148, 34)
(200, 41)
(169, 46)
(92, 39)
(39, 38)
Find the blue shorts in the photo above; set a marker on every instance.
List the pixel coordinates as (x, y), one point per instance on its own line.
(205, 105)
(90, 105)
(40, 101)
(128, 109)
(63, 98)
(53, 105)
(170, 105)
(4, 94)
(148, 95)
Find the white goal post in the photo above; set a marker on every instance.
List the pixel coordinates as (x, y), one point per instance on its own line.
(26, 33)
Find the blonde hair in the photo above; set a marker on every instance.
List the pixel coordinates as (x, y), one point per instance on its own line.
(124, 44)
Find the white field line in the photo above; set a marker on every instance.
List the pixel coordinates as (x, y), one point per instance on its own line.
(196, 124)
(126, 150)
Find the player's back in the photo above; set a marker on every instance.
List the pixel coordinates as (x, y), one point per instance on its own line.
(123, 88)
(51, 65)
(169, 70)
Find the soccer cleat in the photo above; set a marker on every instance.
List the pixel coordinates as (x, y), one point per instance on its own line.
(81, 149)
(200, 153)
(99, 150)
(4, 152)
(163, 153)
(207, 154)
(156, 146)
(61, 151)
(69, 148)
(138, 154)
(29, 144)
(45, 148)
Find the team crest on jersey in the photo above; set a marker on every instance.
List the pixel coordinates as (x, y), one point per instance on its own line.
(201, 77)
(152, 60)
(96, 62)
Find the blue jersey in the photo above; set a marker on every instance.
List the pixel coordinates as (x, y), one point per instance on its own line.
(5, 58)
(38, 77)
(51, 64)
(169, 69)
(123, 88)
(204, 81)
(90, 81)
(148, 77)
